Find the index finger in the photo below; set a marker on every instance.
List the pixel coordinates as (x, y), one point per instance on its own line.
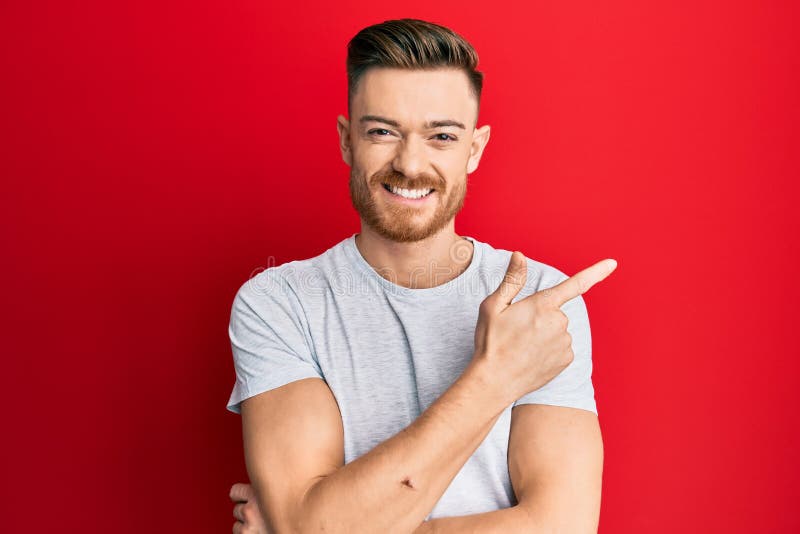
(579, 283)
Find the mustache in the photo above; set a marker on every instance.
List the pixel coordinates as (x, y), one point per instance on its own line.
(396, 179)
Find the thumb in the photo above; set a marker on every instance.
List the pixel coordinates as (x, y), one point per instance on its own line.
(513, 281)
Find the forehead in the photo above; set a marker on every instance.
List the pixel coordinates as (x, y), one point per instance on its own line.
(415, 96)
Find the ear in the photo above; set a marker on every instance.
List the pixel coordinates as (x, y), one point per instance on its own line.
(479, 140)
(343, 125)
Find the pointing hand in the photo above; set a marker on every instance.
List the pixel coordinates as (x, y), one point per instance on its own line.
(526, 344)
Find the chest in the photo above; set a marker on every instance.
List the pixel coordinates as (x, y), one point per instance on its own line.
(386, 361)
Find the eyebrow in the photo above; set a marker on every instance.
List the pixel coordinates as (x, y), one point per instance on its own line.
(428, 125)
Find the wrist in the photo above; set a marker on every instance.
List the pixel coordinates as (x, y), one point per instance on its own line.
(483, 377)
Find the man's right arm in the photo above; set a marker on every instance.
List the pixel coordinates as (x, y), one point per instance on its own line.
(294, 451)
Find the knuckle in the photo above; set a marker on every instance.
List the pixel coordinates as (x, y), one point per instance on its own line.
(240, 492)
(580, 284)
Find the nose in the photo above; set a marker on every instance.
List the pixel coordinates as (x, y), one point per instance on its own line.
(410, 159)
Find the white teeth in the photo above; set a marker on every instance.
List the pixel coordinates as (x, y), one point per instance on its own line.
(410, 193)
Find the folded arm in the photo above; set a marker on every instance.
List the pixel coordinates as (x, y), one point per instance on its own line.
(555, 460)
(293, 440)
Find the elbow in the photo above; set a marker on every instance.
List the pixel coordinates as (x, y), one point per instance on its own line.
(314, 523)
(535, 520)
(301, 515)
(311, 516)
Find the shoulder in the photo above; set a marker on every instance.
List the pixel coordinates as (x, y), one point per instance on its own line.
(290, 280)
(540, 275)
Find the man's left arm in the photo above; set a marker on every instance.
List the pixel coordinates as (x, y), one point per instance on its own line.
(555, 460)
(555, 449)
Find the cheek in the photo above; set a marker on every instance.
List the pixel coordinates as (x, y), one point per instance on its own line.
(368, 152)
(453, 162)
(454, 170)
(367, 166)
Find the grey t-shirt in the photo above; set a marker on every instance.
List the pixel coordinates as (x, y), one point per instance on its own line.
(387, 351)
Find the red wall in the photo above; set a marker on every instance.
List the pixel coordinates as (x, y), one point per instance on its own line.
(155, 155)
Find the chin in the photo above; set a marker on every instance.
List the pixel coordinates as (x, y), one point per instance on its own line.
(407, 233)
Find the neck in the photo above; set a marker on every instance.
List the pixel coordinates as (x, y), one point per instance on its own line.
(420, 264)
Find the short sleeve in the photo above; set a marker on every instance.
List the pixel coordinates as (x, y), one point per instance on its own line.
(573, 386)
(267, 339)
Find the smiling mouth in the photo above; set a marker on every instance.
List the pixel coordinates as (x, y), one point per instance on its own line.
(408, 193)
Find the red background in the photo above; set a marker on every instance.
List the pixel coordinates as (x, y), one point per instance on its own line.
(154, 155)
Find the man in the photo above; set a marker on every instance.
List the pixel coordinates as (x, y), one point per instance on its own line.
(410, 379)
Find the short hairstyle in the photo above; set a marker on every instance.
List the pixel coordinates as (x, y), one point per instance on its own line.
(410, 44)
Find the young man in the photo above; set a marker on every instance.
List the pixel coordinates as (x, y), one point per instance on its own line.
(409, 379)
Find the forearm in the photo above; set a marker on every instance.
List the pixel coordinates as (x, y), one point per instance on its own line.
(393, 487)
(506, 521)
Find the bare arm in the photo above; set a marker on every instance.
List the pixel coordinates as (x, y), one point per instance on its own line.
(506, 521)
(392, 488)
(293, 435)
(555, 460)
(567, 443)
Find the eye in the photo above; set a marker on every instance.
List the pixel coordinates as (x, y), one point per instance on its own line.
(375, 131)
(447, 137)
